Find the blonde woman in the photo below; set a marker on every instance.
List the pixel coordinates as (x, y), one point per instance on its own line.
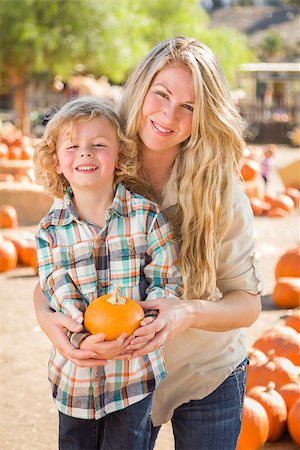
(188, 136)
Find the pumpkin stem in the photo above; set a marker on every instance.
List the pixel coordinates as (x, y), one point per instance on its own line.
(271, 354)
(116, 298)
(270, 386)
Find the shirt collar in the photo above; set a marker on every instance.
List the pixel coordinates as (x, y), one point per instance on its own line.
(122, 202)
(63, 211)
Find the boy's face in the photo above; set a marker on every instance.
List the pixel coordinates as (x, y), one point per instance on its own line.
(88, 157)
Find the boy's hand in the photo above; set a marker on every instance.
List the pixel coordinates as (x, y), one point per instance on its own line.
(107, 349)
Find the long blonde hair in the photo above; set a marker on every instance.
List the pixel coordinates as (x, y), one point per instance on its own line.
(74, 111)
(207, 159)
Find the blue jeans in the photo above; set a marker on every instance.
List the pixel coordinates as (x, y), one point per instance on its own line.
(128, 428)
(214, 422)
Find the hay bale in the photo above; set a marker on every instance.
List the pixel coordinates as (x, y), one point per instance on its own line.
(29, 199)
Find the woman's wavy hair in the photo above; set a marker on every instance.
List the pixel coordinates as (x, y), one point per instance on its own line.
(206, 162)
(75, 111)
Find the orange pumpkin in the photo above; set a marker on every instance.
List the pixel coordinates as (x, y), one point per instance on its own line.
(290, 393)
(113, 315)
(288, 264)
(8, 217)
(14, 152)
(249, 170)
(3, 150)
(285, 202)
(19, 244)
(258, 206)
(293, 319)
(294, 194)
(287, 293)
(278, 369)
(22, 178)
(7, 177)
(256, 357)
(29, 254)
(293, 422)
(277, 212)
(275, 408)
(8, 255)
(255, 426)
(283, 340)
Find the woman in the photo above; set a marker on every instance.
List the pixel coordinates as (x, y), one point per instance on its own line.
(188, 145)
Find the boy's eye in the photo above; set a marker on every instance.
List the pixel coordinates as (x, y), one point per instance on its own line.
(72, 147)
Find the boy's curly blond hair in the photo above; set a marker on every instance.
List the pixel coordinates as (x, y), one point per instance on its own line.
(77, 110)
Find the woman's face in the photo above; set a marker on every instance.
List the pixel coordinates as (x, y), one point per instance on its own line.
(167, 112)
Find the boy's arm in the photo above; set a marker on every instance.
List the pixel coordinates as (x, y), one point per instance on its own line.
(57, 285)
(162, 271)
(59, 288)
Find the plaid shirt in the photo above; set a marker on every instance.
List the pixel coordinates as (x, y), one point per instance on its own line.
(78, 262)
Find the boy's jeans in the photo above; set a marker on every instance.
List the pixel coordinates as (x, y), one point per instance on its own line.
(214, 422)
(128, 428)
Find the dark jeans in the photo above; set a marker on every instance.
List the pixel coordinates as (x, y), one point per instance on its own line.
(214, 422)
(128, 428)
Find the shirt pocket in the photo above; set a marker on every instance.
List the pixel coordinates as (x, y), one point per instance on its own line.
(79, 262)
(126, 259)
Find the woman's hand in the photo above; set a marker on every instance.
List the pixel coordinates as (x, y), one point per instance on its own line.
(107, 349)
(56, 325)
(174, 317)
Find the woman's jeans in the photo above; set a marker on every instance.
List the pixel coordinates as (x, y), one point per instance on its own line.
(214, 422)
(128, 428)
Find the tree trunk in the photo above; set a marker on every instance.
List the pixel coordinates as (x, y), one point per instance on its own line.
(21, 115)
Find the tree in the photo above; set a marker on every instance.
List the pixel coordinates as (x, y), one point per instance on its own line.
(39, 36)
(108, 37)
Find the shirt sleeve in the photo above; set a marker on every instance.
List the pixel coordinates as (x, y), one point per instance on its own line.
(238, 261)
(59, 288)
(162, 268)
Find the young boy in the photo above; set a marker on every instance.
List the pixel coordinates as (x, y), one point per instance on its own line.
(96, 236)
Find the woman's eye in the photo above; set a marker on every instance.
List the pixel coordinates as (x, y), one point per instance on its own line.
(161, 94)
(98, 145)
(188, 107)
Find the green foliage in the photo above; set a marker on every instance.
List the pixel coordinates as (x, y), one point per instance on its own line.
(272, 44)
(108, 37)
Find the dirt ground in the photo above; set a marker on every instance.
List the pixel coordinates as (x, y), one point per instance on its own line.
(28, 418)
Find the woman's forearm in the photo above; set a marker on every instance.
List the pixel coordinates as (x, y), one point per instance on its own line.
(237, 309)
(40, 303)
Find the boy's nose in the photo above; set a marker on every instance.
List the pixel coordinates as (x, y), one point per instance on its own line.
(86, 152)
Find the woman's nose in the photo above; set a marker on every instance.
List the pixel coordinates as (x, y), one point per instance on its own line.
(170, 114)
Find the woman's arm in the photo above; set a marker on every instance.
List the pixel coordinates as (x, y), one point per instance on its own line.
(56, 325)
(237, 309)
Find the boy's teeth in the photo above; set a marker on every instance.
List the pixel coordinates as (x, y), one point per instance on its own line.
(85, 168)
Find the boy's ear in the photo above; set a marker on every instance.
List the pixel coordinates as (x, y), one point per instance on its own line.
(58, 169)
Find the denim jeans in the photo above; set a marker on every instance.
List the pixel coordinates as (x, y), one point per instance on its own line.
(214, 422)
(128, 428)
